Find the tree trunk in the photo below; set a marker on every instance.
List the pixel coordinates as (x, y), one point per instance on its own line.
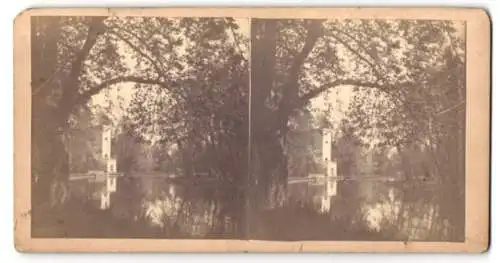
(50, 164)
(269, 178)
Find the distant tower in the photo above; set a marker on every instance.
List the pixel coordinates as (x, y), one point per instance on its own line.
(110, 170)
(111, 175)
(331, 187)
(105, 200)
(325, 203)
(330, 165)
(106, 142)
(327, 146)
(332, 169)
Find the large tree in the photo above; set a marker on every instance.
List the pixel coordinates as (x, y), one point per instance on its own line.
(75, 58)
(191, 82)
(203, 123)
(403, 67)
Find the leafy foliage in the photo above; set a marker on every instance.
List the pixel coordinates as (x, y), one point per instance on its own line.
(184, 60)
(408, 82)
(190, 107)
(204, 113)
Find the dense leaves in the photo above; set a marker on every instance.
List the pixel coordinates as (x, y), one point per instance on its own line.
(407, 80)
(203, 115)
(189, 112)
(184, 60)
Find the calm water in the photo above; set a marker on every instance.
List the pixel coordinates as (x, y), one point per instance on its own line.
(371, 209)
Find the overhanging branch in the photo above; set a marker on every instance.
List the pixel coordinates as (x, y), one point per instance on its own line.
(358, 54)
(70, 86)
(86, 95)
(291, 87)
(139, 51)
(387, 89)
(94, 31)
(304, 99)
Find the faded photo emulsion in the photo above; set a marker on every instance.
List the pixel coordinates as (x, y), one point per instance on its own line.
(139, 127)
(358, 129)
(249, 128)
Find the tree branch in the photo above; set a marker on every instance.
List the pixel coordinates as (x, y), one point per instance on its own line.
(236, 41)
(86, 95)
(70, 87)
(361, 46)
(356, 53)
(291, 87)
(450, 108)
(385, 89)
(95, 29)
(138, 50)
(45, 83)
(304, 99)
(314, 31)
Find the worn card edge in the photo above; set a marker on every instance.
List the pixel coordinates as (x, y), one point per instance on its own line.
(477, 150)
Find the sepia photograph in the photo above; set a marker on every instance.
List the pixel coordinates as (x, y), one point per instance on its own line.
(233, 129)
(358, 125)
(139, 127)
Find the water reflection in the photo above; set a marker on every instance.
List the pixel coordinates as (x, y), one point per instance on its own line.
(327, 209)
